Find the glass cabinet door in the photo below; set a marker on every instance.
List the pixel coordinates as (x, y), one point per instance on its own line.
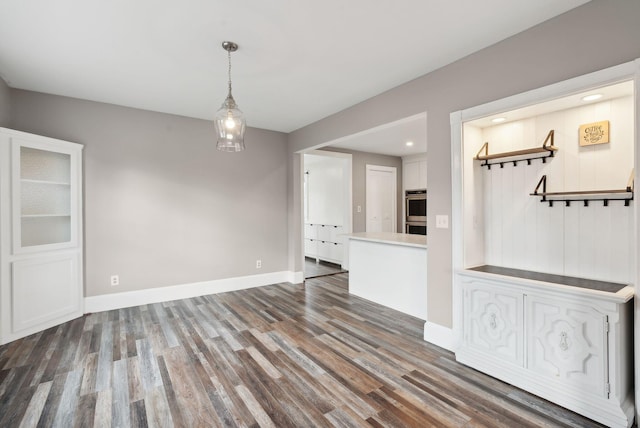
(44, 197)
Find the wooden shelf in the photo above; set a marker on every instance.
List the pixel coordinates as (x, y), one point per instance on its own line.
(547, 149)
(585, 196)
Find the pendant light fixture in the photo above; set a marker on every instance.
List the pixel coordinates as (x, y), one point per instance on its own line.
(230, 122)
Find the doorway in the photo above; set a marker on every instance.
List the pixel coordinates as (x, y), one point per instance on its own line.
(381, 198)
(326, 211)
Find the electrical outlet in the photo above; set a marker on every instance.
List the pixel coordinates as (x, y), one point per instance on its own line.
(359, 208)
(115, 280)
(258, 264)
(442, 221)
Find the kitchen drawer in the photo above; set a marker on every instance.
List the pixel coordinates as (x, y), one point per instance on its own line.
(310, 231)
(311, 247)
(330, 251)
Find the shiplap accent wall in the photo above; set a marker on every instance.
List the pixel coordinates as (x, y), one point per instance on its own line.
(513, 229)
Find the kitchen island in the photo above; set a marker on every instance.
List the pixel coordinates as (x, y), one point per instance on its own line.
(389, 269)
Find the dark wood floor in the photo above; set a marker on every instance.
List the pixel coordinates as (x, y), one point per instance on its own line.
(277, 356)
(314, 270)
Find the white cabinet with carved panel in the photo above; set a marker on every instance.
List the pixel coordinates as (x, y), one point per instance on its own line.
(565, 339)
(567, 342)
(494, 322)
(40, 233)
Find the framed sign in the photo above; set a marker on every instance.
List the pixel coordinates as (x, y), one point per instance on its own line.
(594, 133)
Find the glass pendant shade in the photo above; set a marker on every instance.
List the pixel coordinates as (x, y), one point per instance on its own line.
(230, 125)
(229, 121)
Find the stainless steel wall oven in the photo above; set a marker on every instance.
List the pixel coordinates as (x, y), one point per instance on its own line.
(416, 212)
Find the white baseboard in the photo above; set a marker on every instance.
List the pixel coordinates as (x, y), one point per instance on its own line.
(296, 277)
(439, 336)
(107, 302)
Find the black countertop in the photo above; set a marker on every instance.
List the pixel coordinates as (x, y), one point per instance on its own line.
(609, 287)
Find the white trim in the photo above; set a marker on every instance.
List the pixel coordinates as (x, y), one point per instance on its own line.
(439, 335)
(295, 277)
(107, 302)
(636, 241)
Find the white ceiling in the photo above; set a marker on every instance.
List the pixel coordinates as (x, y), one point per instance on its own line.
(299, 61)
(390, 139)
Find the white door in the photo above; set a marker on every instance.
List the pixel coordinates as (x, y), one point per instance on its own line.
(381, 200)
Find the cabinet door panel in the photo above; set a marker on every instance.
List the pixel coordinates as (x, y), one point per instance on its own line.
(45, 195)
(568, 342)
(494, 320)
(45, 292)
(411, 175)
(422, 174)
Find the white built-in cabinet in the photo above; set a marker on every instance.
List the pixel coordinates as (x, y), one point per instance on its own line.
(569, 344)
(324, 242)
(40, 233)
(414, 173)
(545, 247)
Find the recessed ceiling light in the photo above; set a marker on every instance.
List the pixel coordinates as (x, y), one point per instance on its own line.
(498, 119)
(409, 143)
(592, 97)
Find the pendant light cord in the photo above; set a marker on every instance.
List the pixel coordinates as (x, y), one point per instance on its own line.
(229, 60)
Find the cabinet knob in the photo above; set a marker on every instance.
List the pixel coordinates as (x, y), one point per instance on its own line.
(492, 321)
(564, 344)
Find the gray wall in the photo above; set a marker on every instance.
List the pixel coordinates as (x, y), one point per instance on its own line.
(597, 35)
(360, 160)
(162, 205)
(5, 104)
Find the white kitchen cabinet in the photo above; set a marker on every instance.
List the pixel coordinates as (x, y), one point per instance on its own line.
(40, 233)
(414, 174)
(324, 242)
(568, 344)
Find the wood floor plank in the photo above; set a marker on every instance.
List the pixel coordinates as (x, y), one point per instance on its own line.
(192, 399)
(138, 417)
(66, 412)
(105, 358)
(284, 355)
(103, 411)
(53, 399)
(120, 412)
(261, 417)
(85, 411)
(157, 408)
(36, 404)
(15, 412)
